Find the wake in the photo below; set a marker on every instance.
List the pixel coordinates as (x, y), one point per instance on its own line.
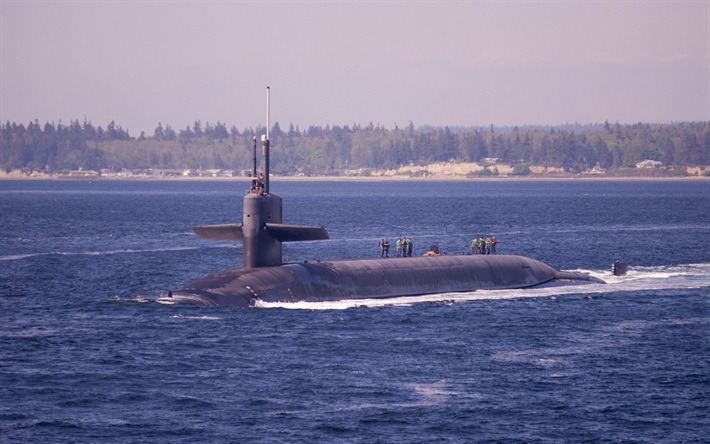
(688, 276)
(109, 252)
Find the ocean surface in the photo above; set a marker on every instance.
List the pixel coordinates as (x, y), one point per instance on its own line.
(88, 354)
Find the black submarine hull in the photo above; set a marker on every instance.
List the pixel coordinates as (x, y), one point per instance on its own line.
(332, 280)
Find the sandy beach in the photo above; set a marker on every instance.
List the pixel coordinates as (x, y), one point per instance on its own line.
(442, 171)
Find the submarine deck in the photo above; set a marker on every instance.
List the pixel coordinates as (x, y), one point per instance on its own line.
(329, 280)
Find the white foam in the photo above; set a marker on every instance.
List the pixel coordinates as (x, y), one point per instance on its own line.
(688, 276)
(165, 301)
(138, 299)
(210, 318)
(93, 253)
(18, 256)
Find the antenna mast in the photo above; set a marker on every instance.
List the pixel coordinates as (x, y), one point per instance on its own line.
(253, 167)
(265, 143)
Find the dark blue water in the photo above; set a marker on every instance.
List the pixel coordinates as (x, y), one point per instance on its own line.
(88, 355)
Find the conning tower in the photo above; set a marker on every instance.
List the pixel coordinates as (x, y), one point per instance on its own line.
(261, 229)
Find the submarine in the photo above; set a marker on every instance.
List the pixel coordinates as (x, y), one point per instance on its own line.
(266, 277)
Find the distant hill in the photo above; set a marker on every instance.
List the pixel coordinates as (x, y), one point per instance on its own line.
(572, 147)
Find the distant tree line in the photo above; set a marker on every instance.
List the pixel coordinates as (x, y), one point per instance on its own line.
(82, 145)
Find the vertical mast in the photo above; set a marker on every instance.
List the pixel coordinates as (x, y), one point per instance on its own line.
(265, 142)
(253, 166)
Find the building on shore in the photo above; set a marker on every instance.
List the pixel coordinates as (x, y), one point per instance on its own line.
(595, 171)
(649, 164)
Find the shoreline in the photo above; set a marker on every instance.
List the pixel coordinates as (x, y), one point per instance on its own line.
(442, 178)
(441, 171)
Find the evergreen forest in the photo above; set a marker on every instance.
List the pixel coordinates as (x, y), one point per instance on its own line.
(56, 147)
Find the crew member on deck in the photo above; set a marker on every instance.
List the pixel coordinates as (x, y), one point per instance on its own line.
(260, 184)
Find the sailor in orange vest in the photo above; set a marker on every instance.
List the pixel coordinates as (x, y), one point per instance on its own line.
(260, 184)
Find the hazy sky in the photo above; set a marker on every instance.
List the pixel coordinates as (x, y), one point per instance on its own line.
(436, 63)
